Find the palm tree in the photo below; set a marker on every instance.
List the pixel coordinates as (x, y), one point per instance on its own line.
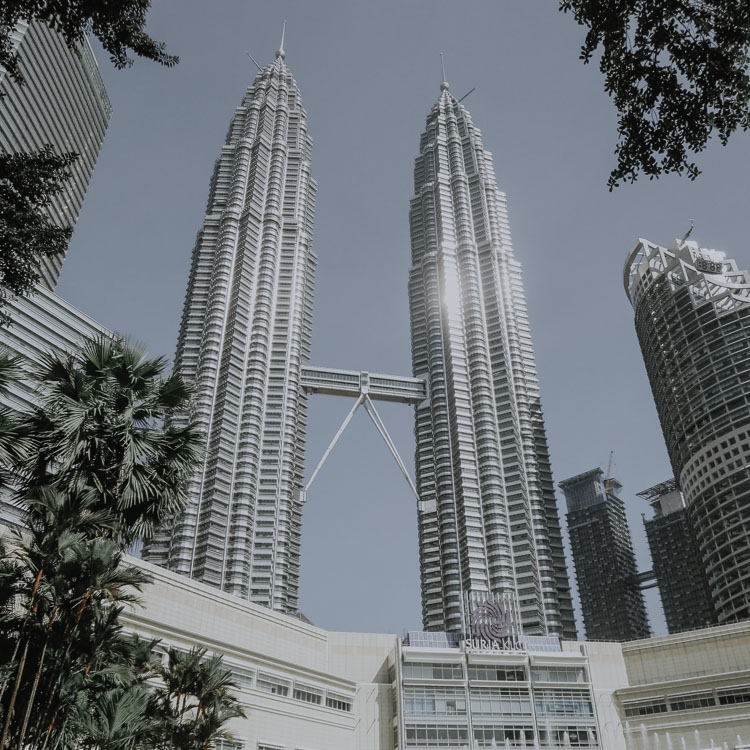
(104, 423)
(103, 460)
(14, 442)
(196, 701)
(73, 588)
(119, 721)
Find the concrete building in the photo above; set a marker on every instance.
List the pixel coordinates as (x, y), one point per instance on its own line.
(690, 690)
(488, 519)
(244, 337)
(680, 575)
(306, 688)
(468, 696)
(606, 571)
(692, 317)
(62, 103)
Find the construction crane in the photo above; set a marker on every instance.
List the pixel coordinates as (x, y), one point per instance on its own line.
(608, 477)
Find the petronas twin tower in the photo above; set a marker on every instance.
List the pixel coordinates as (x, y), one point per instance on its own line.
(488, 520)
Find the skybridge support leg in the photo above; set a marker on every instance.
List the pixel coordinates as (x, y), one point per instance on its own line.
(372, 412)
(335, 440)
(380, 425)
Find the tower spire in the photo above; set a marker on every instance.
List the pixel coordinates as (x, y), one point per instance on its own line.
(280, 52)
(444, 85)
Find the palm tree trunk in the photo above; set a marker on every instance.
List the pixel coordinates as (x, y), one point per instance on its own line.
(6, 681)
(30, 704)
(12, 704)
(29, 612)
(59, 734)
(69, 634)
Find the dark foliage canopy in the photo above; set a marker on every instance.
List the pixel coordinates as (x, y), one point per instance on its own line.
(28, 184)
(117, 24)
(677, 71)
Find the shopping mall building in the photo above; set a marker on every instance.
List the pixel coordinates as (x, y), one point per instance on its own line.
(305, 688)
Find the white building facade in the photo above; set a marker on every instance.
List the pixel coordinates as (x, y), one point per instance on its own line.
(488, 519)
(306, 688)
(244, 337)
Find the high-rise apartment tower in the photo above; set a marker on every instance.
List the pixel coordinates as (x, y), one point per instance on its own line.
(606, 571)
(62, 103)
(678, 568)
(487, 515)
(245, 334)
(692, 317)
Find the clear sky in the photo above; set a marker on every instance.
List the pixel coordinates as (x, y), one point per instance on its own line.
(369, 73)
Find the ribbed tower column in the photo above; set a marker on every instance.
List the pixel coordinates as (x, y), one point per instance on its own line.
(488, 518)
(245, 334)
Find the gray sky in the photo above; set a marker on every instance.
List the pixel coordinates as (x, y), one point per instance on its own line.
(369, 73)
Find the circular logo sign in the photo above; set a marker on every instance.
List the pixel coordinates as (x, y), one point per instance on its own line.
(490, 621)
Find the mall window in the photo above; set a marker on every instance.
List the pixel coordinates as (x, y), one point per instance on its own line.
(558, 674)
(690, 701)
(568, 736)
(224, 744)
(243, 678)
(730, 696)
(339, 702)
(563, 703)
(644, 707)
(308, 694)
(417, 671)
(269, 684)
(436, 735)
(506, 735)
(500, 702)
(434, 701)
(495, 673)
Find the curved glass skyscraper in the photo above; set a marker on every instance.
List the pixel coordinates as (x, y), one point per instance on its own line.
(244, 336)
(63, 103)
(692, 317)
(488, 520)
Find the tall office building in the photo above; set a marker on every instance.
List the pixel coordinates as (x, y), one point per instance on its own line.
(692, 317)
(62, 103)
(679, 572)
(606, 571)
(487, 515)
(245, 334)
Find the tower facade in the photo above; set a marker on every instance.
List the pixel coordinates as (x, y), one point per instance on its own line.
(488, 519)
(606, 571)
(245, 334)
(692, 317)
(62, 103)
(679, 572)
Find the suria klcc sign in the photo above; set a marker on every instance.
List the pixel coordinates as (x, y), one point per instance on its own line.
(491, 624)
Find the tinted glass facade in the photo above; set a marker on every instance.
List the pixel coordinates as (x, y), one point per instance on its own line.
(692, 317)
(62, 103)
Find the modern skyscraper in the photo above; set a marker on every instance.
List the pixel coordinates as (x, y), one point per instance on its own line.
(62, 103)
(606, 571)
(692, 317)
(245, 334)
(488, 519)
(683, 588)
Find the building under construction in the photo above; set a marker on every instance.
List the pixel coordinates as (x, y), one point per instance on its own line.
(606, 572)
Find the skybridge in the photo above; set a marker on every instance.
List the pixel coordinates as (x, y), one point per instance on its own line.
(365, 388)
